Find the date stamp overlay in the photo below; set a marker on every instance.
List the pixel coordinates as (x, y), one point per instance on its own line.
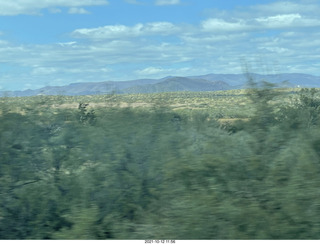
(159, 241)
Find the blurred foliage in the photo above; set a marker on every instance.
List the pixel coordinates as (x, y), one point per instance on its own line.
(182, 166)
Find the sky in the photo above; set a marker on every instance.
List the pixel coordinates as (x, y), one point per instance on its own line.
(58, 42)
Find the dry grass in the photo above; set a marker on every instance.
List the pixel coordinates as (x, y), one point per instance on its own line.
(227, 106)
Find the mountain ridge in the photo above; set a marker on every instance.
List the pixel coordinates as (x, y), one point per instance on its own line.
(208, 82)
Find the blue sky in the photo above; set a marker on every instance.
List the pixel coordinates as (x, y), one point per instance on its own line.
(58, 42)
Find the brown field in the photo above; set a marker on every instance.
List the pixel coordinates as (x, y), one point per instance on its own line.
(226, 106)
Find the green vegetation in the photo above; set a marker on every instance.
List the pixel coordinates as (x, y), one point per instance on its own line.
(238, 164)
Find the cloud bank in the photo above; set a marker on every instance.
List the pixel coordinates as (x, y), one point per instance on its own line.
(167, 2)
(31, 7)
(281, 37)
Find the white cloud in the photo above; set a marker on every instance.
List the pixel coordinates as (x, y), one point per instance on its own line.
(3, 43)
(122, 31)
(75, 10)
(17, 7)
(287, 20)
(214, 38)
(110, 31)
(134, 2)
(221, 25)
(286, 7)
(279, 50)
(281, 21)
(157, 72)
(55, 10)
(276, 21)
(104, 70)
(167, 2)
(149, 71)
(63, 44)
(43, 70)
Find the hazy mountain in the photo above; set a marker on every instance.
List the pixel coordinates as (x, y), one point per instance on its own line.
(85, 88)
(294, 79)
(173, 84)
(209, 82)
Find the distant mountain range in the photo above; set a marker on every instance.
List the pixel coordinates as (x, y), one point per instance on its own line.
(209, 82)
